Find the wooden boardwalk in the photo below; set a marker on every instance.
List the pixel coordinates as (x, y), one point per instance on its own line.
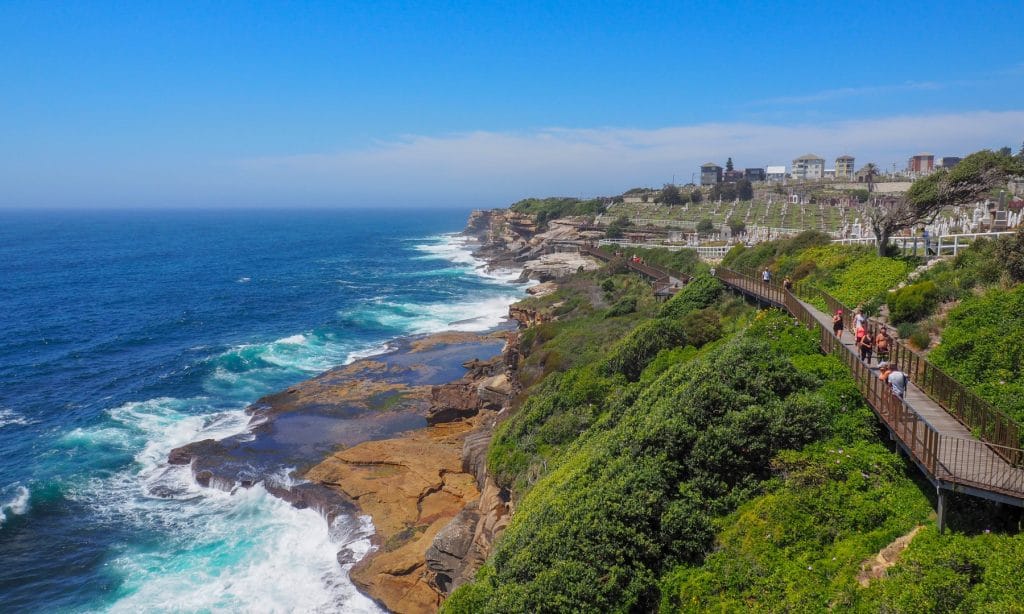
(938, 442)
(666, 281)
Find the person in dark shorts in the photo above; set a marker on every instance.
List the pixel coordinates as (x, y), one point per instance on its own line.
(837, 323)
(866, 345)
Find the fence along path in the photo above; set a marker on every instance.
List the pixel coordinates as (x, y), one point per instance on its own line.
(665, 280)
(933, 423)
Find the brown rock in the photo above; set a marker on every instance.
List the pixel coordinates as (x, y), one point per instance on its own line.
(412, 487)
(452, 402)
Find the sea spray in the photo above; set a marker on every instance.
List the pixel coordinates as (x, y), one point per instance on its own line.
(16, 505)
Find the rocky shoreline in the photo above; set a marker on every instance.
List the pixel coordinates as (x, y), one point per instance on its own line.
(401, 437)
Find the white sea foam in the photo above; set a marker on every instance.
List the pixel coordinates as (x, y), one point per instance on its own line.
(417, 318)
(9, 417)
(247, 551)
(17, 505)
(450, 247)
(367, 353)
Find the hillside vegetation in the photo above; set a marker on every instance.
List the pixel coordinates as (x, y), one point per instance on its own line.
(546, 209)
(698, 455)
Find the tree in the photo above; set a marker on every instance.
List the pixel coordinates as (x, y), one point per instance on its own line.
(744, 189)
(1005, 151)
(737, 226)
(976, 175)
(728, 164)
(670, 195)
(705, 227)
(696, 196)
(870, 170)
(617, 228)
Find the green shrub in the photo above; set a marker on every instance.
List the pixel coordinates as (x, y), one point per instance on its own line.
(920, 339)
(608, 285)
(623, 307)
(631, 355)
(1009, 253)
(701, 327)
(906, 329)
(700, 293)
(983, 347)
(914, 302)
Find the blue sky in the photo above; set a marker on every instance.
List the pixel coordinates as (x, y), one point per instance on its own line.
(150, 104)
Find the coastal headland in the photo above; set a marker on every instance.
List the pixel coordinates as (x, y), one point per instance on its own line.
(401, 437)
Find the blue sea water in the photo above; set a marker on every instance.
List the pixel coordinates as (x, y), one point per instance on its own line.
(126, 334)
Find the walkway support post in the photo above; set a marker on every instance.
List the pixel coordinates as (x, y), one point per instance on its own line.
(941, 509)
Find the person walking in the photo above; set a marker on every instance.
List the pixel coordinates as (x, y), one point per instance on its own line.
(787, 283)
(896, 379)
(866, 346)
(766, 276)
(837, 323)
(883, 342)
(859, 319)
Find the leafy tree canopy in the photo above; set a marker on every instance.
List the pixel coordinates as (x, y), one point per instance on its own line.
(670, 195)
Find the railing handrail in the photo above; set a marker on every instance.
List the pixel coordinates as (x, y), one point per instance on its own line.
(989, 465)
(947, 395)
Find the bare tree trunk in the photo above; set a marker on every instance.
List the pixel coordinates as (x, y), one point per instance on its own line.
(882, 240)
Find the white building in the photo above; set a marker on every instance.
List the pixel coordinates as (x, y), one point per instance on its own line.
(844, 167)
(808, 166)
(775, 173)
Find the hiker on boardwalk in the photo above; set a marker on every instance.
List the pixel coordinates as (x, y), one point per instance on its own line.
(787, 283)
(866, 345)
(883, 342)
(837, 323)
(859, 319)
(766, 276)
(859, 332)
(894, 377)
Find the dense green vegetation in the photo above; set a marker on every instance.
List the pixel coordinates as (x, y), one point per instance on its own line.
(546, 209)
(983, 347)
(638, 490)
(684, 260)
(854, 275)
(696, 455)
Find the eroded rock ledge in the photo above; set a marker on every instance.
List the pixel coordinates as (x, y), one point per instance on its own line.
(435, 512)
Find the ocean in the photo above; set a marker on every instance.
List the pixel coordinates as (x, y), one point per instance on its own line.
(126, 334)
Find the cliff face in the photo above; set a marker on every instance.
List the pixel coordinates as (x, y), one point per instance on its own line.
(504, 236)
(511, 239)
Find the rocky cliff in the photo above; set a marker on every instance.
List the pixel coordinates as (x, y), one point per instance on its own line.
(510, 239)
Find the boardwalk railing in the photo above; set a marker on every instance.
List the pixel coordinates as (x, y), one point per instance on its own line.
(661, 276)
(981, 465)
(984, 421)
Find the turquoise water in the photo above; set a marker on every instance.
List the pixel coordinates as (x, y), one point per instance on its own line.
(125, 335)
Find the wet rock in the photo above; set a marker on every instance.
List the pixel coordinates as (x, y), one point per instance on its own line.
(446, 555)
(452, 402)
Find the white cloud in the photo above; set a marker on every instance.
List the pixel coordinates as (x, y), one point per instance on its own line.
(493, 168)
(851, 92)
